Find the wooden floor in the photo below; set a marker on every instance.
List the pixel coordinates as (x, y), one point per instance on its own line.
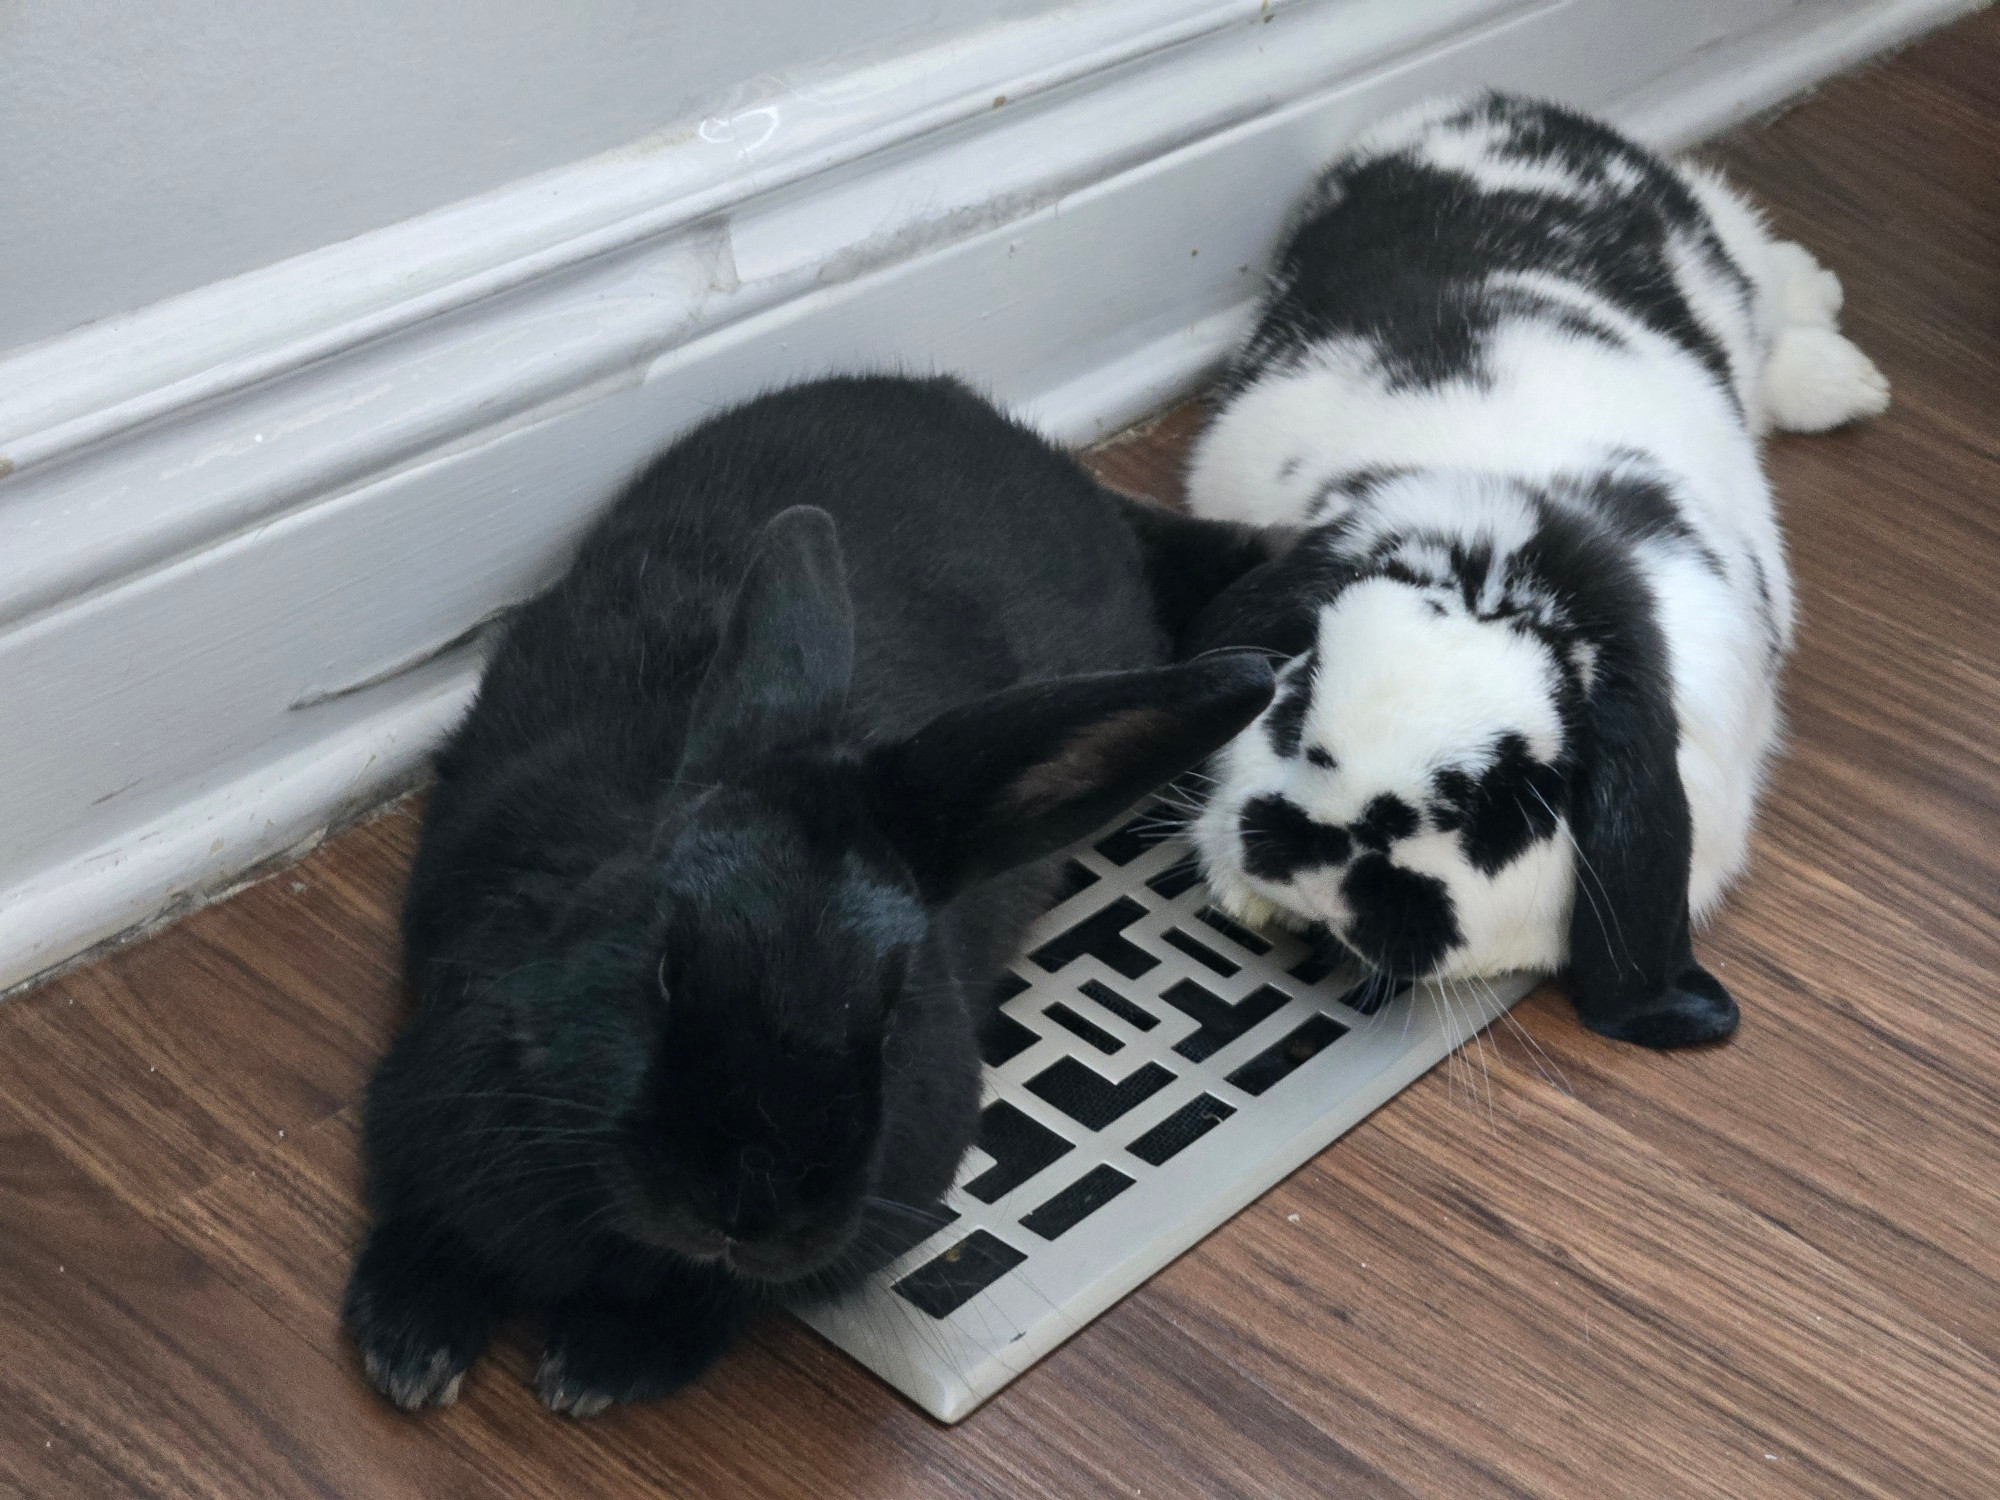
(1767, 1270)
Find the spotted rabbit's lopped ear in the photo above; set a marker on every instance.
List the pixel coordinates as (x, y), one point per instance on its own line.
(1019, 774)
(781, 670)
(1632, 970)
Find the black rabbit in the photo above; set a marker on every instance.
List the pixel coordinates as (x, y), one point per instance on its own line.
(720, 873)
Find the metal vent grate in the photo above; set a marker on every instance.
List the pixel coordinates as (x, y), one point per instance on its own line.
(1156, 1068)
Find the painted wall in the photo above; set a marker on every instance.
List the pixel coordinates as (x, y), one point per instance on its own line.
(147, 149)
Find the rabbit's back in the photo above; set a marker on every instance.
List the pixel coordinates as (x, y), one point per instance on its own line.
(978, 556)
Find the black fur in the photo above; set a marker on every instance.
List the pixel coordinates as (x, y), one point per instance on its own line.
(719, 875)
(1285, 724)
(1188, 562)
(1767, 614)
(1383, 821)
(1275, 606)
(1637, 502)
(1280, 842)
(1501, 812)
(1356, 484)
(1285, 721)
(1402, 922)
(1632, 973)
(1397, 252)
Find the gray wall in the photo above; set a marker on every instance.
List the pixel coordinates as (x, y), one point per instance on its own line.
(150, 148)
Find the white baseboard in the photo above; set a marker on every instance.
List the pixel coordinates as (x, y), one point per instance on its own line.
(244, 534)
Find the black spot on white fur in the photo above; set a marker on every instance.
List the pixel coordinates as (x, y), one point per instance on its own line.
(1524, 586)
(1403, 922)
(1285, 723)
(1401, 253)
(1280, 842)
(1356, 484)
(1383, 821)
(1637, 502)
(1285, 720)
(1767, 617)
(1501, 811)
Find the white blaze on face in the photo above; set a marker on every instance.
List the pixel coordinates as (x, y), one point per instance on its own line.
(1408, 684)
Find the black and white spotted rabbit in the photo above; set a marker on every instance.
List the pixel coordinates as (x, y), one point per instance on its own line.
(720, 873)
(1511, 379)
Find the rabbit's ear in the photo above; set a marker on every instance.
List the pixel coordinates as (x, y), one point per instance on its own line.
(1188, 561)
(1009, 778)
(1632, 970)
(781, 671)
(1275, 606)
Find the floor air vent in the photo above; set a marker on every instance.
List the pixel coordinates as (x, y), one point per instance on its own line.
(1156, 1068)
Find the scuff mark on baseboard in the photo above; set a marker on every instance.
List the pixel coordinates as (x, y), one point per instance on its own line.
(313, 697)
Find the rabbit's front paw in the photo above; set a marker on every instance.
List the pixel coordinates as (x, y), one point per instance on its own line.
(1253, 911)
(603, 1350)
(419, 1316)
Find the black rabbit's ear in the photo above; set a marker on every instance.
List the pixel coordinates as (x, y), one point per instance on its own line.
(1188, 561)
(1275, 606)
(1009, 778)
(1632, 970)
(781, 671)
